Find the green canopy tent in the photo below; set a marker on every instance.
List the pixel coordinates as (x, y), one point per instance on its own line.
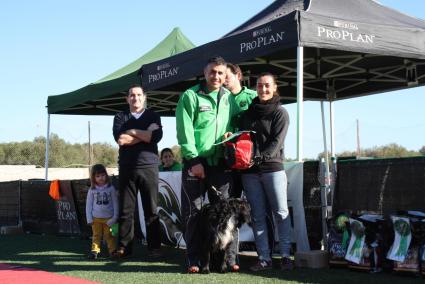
(105, 96)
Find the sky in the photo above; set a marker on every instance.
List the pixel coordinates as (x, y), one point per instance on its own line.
(51, 47)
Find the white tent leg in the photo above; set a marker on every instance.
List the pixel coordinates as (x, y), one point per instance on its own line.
(300, 103)
(331, 113)
(46, 157)
(325, 144)
(326, 185)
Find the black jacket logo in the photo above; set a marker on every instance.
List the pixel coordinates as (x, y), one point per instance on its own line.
(242, 103)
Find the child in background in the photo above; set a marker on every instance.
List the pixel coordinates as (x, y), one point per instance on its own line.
(101, 210)
(167, 161)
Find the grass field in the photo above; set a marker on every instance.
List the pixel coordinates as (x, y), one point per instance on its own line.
(67, 256)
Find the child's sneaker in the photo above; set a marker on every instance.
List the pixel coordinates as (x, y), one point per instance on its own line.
(286, 263)
(92, 255)
(261, 265)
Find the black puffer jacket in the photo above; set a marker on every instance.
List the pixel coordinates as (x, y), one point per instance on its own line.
(270, 121)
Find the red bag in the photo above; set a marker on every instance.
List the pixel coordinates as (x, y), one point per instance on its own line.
(239, 151)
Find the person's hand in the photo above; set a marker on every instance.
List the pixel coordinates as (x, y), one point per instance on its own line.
(257, 160)
(153, 126)
(110, 222)
(131, 132)
(198, 171)
(226, 135)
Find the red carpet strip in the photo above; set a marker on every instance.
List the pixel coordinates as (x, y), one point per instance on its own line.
(12, 274)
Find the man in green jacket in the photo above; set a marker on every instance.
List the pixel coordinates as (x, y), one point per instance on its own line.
(203, 116)
(240, 94)
(242, 97)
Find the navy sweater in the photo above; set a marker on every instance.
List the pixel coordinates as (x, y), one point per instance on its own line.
(139, 155)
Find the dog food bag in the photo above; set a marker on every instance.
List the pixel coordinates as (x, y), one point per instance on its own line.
(372, 251)
(417, 221)
(364, 263)
(402, 238)
(410, 262)
(356, 245)
(338, 240)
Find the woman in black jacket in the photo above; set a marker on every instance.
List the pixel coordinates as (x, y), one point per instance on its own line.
(265, 183)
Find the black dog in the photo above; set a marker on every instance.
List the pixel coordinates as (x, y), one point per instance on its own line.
(218, 223)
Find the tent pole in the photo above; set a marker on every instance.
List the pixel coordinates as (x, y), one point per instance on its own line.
(46, 157)
(326, 182)
(325, 146)
(300, 99)
(331, 114)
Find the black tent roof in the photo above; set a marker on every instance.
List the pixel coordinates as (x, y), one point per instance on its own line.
(351, 48)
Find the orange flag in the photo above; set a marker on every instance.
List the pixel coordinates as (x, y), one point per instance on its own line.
(54, 189)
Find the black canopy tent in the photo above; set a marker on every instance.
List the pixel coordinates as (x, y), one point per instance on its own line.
(342, 48)
(323, 50)
(351, 48)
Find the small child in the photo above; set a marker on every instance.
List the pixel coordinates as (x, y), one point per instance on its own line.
(101, 209)
(168, 163)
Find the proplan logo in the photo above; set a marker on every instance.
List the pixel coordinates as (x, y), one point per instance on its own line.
(346, 25)
(261, 31)
(346, 32)
(262, 37)
(164, 71)
(162, 66)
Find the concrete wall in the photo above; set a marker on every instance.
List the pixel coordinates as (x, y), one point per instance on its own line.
(10, 173)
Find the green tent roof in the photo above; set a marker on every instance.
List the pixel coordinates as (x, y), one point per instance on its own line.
(105, 96)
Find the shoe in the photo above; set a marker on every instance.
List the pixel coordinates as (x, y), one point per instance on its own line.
(193, 269)
(286, 263)
(234, 268)
(261, 265)
(92, 255)
(155, 253)
(120, 253)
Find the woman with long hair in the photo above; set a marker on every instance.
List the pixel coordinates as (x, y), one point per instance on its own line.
(265, 183)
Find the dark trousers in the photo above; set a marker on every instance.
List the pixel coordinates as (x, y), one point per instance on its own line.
(237, 186)
(130, 182)
(192, 198)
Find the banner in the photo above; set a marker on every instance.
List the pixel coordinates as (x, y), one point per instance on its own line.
(169, 209)
(357, 241)
(402, 239)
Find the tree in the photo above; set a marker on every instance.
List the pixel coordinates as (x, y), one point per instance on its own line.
(61, 153)
(392, 150)
(105, 154)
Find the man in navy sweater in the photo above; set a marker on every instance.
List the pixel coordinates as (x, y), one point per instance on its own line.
(137, 133)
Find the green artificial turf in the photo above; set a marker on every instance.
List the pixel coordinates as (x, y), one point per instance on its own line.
(67, 256)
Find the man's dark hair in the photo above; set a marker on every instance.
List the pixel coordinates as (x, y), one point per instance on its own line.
(217, 60)
(134, 86)
(234, 68)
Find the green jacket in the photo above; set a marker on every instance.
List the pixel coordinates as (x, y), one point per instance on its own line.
(201, 123)
(176, 166)
(243, 99)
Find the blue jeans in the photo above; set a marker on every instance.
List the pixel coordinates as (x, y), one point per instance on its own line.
(261, 190)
